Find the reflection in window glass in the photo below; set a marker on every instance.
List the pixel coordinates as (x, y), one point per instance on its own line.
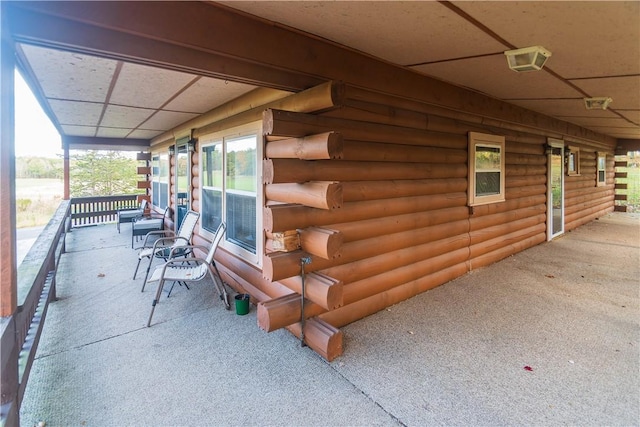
(487, 170)
(160, 181)
(212, 183)
(229, 192)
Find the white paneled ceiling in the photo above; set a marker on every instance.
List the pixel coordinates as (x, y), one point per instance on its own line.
(97, 97)
(595, 52)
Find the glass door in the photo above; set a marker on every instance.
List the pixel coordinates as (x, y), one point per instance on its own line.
(183, 184)
(555, 186)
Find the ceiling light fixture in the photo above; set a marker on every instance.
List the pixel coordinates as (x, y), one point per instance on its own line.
(527, 59)
(598, 103)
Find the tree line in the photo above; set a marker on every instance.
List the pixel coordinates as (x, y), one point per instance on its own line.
(92, 173)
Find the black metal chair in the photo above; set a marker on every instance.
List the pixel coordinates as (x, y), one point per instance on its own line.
(143, 225)
(128, 215)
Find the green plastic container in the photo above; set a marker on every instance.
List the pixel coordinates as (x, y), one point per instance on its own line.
(242, 304)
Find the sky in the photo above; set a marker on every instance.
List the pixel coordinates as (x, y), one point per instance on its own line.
(35, 135)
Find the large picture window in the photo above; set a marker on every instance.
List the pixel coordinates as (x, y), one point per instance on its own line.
(160, 180)
(486, 168)
(230, 190)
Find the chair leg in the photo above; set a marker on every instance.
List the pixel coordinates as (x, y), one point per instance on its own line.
(137, 266)
(146, 276)
(155, 301)
(221, 290)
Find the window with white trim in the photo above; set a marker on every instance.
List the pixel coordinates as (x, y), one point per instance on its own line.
(230, 190)
(573, 160)
(602, 169)
(486, 168)
(160, 180)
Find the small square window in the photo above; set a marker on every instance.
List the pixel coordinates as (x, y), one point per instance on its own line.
(486, 169)
(573, 160)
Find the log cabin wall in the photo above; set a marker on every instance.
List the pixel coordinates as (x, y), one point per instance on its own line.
(584, 199)
(405, 227)
(375, 187)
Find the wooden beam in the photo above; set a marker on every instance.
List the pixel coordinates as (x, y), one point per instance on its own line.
(321, 242)
(324, 338)
(284, 311)
(97, 143)
(319, 288)
(315, 194)
(116, 31)
(291, 217)
(276, 171)
(288, 124)
(323, 146)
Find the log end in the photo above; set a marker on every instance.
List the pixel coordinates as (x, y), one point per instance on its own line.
(324, 338)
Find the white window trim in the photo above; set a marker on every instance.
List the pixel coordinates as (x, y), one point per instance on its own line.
(575, 152)
(156, 178)
(207, 140)
(600, 155)
(485, 140)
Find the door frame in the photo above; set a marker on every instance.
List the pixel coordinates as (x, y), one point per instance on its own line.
(554, 143)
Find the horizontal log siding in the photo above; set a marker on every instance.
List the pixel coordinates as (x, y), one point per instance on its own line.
(404, 219)
(404, 215)
(501, 229)
(584, 199)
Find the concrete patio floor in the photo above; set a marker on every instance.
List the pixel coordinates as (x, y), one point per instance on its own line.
(548, 336)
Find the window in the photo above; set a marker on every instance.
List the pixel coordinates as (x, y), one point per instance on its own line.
(230, 190)
(486, 168)
(160, 180)
(602, 169)
(573, 161)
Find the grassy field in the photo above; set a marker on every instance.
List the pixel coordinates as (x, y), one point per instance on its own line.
(37, 200)
(633, 189)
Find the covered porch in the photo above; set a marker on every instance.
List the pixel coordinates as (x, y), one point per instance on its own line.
(547, 336)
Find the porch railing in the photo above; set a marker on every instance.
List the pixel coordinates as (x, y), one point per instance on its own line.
(20, 332)
(98, 210)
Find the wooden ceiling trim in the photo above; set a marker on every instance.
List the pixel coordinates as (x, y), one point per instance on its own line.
(464, 15)
(47, 29)
(99, 143)
(112, 84)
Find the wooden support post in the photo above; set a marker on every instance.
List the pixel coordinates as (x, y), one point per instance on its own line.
(8, 269)
(9, 345)
(323, 146)
(66, 172)
(315, 194)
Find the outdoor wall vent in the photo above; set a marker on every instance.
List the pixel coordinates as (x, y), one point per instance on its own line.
(527, 59)
(599, 103)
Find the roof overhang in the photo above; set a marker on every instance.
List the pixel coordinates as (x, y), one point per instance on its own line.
(96, 143)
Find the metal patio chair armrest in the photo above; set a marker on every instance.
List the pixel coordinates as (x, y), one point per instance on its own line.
(191, 247)
(155, 233)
